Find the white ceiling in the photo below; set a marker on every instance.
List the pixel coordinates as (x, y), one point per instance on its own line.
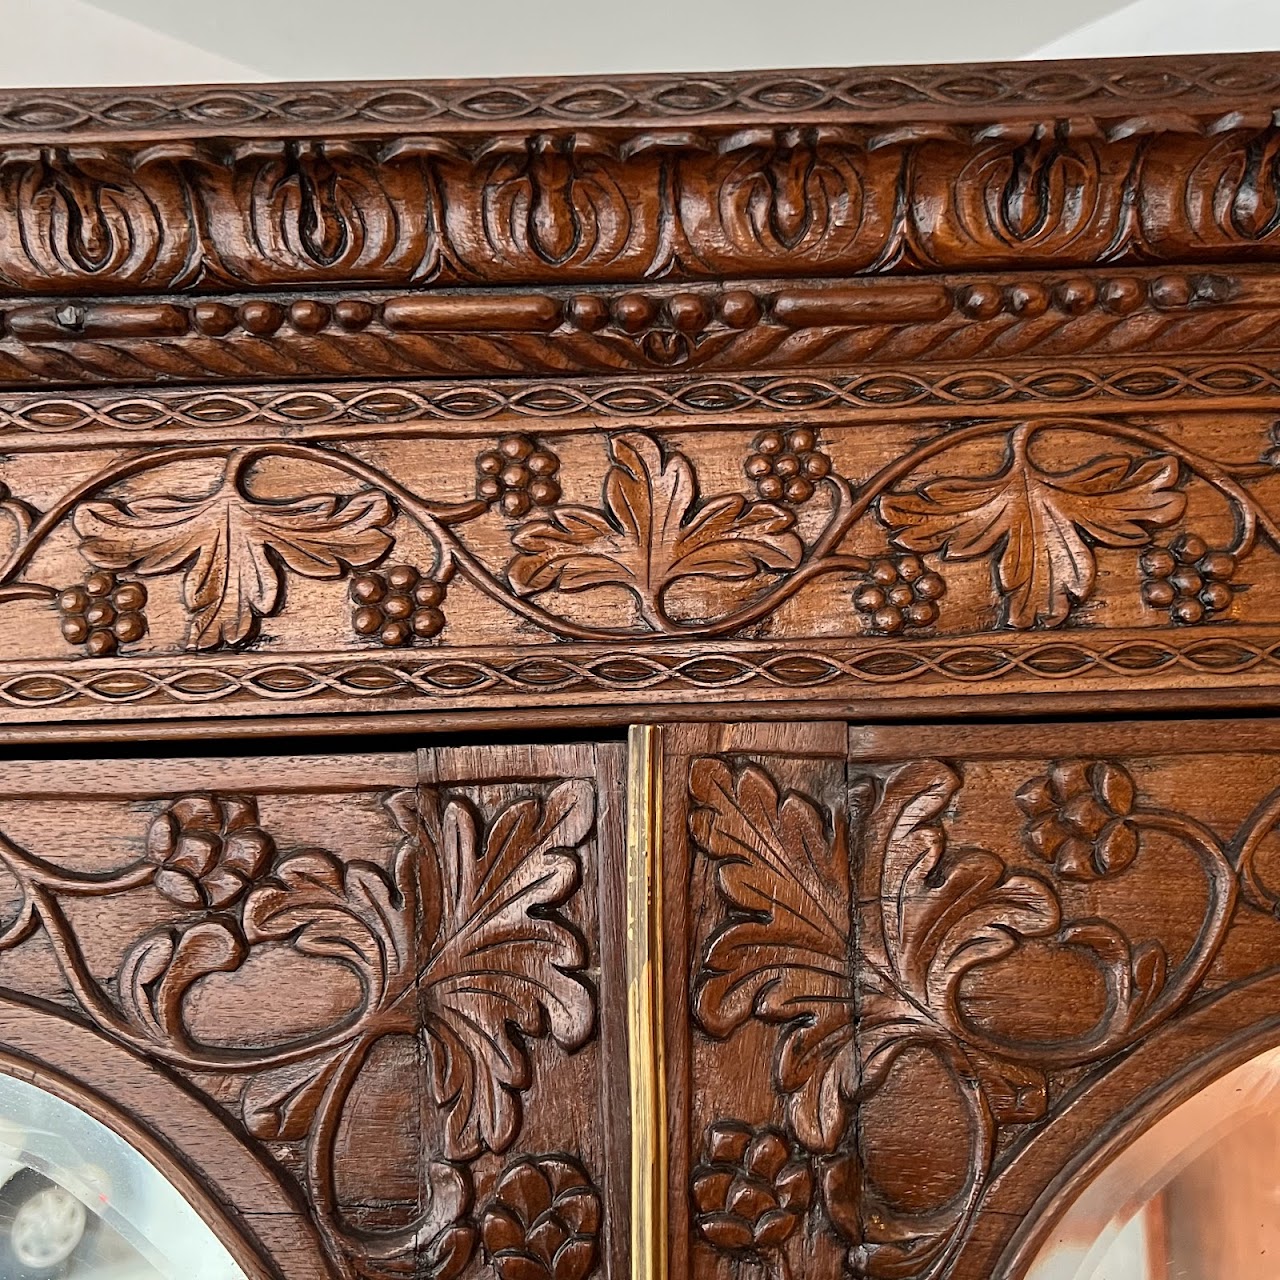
(69, 42)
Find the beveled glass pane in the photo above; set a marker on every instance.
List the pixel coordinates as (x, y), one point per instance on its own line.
(77, 1202)
(1196, 1197)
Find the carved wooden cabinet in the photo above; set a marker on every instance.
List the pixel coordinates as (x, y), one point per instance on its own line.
(613, 678)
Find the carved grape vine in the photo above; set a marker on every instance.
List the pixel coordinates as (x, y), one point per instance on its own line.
(653, 533)
(858, 955)
(459, 942)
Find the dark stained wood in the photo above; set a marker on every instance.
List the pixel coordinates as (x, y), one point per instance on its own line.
(355, 1006)
(769, 408)
(847, 390)
(928, 990)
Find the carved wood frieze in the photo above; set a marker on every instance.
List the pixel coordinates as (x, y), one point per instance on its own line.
(554, 560)
(584, 206)
(382, 973)
(535, 228)
(908, 977)
(821, 386)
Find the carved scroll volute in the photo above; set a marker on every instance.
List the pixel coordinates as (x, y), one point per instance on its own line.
(1001, 941)
(922, 963)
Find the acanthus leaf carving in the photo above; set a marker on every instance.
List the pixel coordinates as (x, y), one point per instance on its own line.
(232, 548)
(1039, 525)
(784, 953)
(500, 960)
(944, 910)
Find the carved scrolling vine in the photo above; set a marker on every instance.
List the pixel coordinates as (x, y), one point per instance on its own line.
(857, 938)
(693, 565)
(459, 943)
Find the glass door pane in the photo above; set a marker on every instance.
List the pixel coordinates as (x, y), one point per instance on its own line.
(1197, 1197)
(78, 1203)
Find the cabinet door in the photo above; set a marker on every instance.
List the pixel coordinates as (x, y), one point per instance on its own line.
(365, 1012)
(921, 982)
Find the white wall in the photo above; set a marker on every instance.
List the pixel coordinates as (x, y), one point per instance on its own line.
(69, 42)
(1173, 26)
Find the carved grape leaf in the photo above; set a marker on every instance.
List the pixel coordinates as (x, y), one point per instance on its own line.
(937, 912)
(501, 964)
(280, 1105)
(784, 953)
(233, 548)
(1039, 525)
(943, 910)
(652, 532)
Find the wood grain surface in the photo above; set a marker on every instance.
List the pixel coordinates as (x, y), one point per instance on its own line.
(864, 389)
(768, 409)
(917, 995)
(367, 1010)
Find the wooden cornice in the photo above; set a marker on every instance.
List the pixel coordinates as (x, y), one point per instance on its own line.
(1018, 326)
(650, 224)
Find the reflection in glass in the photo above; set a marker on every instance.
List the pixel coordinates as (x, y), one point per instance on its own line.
(78, 1203)
(1197, 1197)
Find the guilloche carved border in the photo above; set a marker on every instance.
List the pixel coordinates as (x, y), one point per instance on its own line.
(1120, 86)
(44, 420)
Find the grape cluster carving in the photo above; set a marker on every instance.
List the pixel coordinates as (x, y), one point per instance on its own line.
(104, 613)
(1189, 579)
(397, 605)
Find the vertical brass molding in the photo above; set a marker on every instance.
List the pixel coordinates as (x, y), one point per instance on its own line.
(645, 1024)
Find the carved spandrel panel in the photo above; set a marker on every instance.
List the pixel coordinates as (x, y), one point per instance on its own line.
(171, 571)
(395, 979)
(919, 1003)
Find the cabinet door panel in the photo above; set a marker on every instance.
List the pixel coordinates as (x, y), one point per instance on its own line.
(735, 825)
(917, 988)
(386, 982)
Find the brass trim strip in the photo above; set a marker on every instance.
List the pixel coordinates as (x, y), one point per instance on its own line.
(645, 1024)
